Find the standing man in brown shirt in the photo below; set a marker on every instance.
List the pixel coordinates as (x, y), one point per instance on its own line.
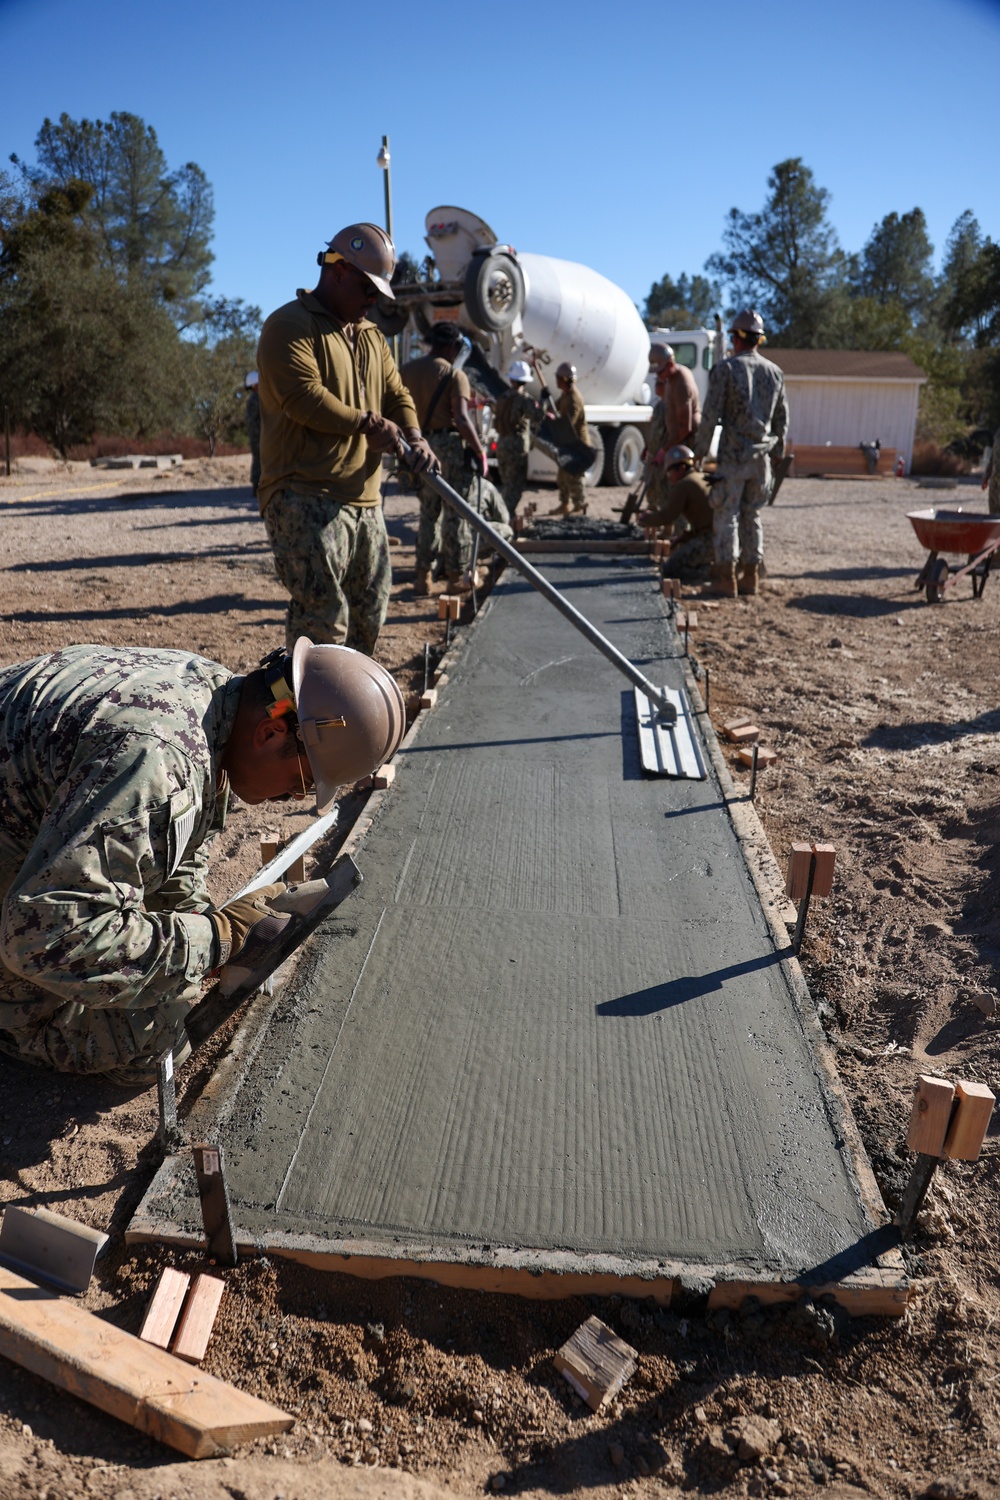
(331, 403)
(682, 409)
(441, 395)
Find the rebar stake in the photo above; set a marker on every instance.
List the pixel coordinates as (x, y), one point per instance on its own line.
(753, 783)
(686, 634)
(427, 665)
(803, 904)
(707, 692)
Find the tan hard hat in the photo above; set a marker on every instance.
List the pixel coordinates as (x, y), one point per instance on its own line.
(660, 355)
(679, 455)
(748, 320)
(368, 248)
(351, 715)
(566, 371)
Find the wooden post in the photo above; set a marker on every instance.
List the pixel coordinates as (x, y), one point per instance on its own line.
(810, 873)
(946, 1122)
(973, 1108)
(269, 846)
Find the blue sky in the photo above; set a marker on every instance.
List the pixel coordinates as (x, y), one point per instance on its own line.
(619, 136)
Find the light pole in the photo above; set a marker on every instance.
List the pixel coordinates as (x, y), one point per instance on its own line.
(383, 160)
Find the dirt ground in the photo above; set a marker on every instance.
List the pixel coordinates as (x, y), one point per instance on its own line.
(884, 714)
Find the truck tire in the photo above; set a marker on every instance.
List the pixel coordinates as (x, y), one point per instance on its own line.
(592, 476)
(623, 448)
(494, 291)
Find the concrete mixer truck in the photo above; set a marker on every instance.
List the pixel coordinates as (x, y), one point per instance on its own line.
(516, 305)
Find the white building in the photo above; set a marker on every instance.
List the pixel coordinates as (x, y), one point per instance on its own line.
(843, 397)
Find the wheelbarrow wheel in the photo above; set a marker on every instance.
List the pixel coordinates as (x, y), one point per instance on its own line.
(936, 579)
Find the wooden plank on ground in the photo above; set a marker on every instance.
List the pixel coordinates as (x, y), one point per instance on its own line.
(198, 1321)
(133, 1381)
(596, 1362)
(165, 1307)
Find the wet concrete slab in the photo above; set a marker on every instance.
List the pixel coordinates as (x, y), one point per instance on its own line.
(554, 1027)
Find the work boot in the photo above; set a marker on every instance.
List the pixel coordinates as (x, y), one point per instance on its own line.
(749, 579)
(723, 581)
(458, 583)
(560, 510)
(422, 582)
(143, 1073)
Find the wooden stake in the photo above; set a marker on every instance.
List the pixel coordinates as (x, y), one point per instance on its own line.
(198, 1319)
(165, 1307)
(596, 1362)
(973, 1108)
(930, 1115)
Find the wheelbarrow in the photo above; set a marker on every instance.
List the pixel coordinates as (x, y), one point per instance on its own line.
(968, 533)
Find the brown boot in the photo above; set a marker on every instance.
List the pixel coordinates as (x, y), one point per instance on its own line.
(723, 582)
(749, 579)
(458, 583)
(422, 582)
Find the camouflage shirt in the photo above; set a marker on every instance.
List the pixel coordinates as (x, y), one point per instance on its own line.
(746, 393)
(109, 771)
(514, 415)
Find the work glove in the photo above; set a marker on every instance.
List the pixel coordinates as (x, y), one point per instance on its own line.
(545, 394)
(246, 927)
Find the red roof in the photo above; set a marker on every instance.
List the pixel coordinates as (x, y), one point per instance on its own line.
(845, 364)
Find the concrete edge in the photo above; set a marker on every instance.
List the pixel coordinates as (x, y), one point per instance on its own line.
(542, 1275)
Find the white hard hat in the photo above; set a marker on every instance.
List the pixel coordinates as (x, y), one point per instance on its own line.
(520, 371)
(251, 380)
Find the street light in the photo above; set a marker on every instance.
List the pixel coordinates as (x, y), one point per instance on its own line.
(383, 160)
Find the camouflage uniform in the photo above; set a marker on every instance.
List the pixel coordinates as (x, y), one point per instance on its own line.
(109, 793)
(570, 405)
(252, 414)
(437, 518)
(513, 423)
(991, 475)
(486, 498)
(334, 561)
(688, 505)
(746, 393)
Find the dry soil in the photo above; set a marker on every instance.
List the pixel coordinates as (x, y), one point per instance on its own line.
(883, 711)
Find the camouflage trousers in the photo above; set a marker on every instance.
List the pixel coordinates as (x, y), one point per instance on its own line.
(993, 493)
(655, 497)
(690, 556)
(442, 532)
(738, 495)
(41, 1028)
(571, 490)
(334, 561)
(512, 459)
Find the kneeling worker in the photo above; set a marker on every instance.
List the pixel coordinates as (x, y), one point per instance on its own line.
(115, 771)
(687, 509)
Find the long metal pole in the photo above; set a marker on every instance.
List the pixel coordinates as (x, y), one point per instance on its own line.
(668, 714)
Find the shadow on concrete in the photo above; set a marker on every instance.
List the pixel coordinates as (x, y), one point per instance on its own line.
(657, 997)
(853, 1258)
(542, 739)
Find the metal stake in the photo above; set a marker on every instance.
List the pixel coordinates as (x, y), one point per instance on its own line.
(447, 630)
(708, 689)
(753, 786)
(803, 904)
(166, 1095)
(915, 1192)
(427, 665)
(686, 634)
(216, 1216)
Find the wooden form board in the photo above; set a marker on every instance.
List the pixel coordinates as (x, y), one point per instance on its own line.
(823, 459)
(131, 1380)
(198, 1319)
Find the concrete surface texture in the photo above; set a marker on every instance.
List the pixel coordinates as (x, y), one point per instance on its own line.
(553, 1018)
